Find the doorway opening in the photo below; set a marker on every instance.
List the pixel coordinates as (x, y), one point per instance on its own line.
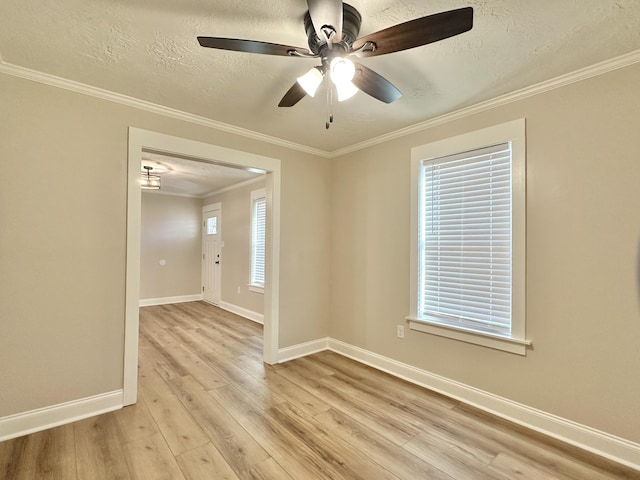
(140, 140)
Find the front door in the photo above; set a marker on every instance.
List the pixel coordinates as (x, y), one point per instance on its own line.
(211, 256)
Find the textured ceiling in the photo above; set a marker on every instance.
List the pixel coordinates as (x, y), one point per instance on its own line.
(184, 176)
(148, 50)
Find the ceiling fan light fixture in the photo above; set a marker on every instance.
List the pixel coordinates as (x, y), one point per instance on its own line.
(148, 181)
(342, 70)
(310, 81)
(332, 29)
(346, 90)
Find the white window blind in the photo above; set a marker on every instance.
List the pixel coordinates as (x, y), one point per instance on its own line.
(258, 234)
(465, 241)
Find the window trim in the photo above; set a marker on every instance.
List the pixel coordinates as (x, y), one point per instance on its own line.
(513, 132)
(256, 195)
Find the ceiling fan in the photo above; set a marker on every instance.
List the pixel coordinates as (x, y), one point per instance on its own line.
(332, 29)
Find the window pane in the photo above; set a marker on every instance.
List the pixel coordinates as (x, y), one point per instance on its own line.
(465, 240)
(258, 237)
(212, 226)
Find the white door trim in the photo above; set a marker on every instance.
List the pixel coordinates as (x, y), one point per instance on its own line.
(143, 139)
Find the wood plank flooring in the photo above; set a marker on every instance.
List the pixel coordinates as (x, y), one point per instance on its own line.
(210, 409)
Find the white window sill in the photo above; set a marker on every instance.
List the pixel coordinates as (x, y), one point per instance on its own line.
(256, 288)
(507, 344)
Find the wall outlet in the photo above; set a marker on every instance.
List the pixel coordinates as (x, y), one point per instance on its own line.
(400, 331)
(238, 289)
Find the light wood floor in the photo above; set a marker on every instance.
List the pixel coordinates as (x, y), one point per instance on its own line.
(210, 409)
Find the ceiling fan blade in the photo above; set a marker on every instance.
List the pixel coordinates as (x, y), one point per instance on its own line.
(293, 96)
(420, 31)
(375, 84)
(253, 46)
(326, 13)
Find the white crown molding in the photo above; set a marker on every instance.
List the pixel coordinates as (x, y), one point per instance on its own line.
(32, 421)
(244, 183)
(52, 80)
(557, 82)
(171, 194)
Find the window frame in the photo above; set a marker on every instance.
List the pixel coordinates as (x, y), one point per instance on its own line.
(512, 132)
(256, 195)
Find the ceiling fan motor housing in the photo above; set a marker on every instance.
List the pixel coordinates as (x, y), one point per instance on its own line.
(350, 29)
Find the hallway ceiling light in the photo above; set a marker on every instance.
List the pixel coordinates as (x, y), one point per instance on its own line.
(148, 181)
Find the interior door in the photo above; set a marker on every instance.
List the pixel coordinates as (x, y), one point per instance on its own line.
(211, 256)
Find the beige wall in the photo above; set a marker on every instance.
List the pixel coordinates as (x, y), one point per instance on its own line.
(63, 246)
(63, 193)
(236, 253)
(170, 231)
(583, 224)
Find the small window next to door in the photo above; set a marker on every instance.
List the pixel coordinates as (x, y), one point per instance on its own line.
(212, 226)
(258, 237)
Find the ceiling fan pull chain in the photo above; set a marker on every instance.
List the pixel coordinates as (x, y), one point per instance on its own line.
(329, 104)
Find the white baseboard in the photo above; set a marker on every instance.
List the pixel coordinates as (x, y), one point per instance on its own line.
(601, 443)
(302, 349)
(587, 438)
(150, 302)
(243, 312)
(43, 418)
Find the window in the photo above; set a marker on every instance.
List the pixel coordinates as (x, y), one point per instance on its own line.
(468, 250)
(212, 225)
(258, 237)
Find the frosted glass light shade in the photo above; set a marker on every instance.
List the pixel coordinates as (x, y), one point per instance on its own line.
(310, 81)
(342, 70)
(346, 90)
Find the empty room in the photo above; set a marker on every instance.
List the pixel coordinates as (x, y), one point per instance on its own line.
(320, 240)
